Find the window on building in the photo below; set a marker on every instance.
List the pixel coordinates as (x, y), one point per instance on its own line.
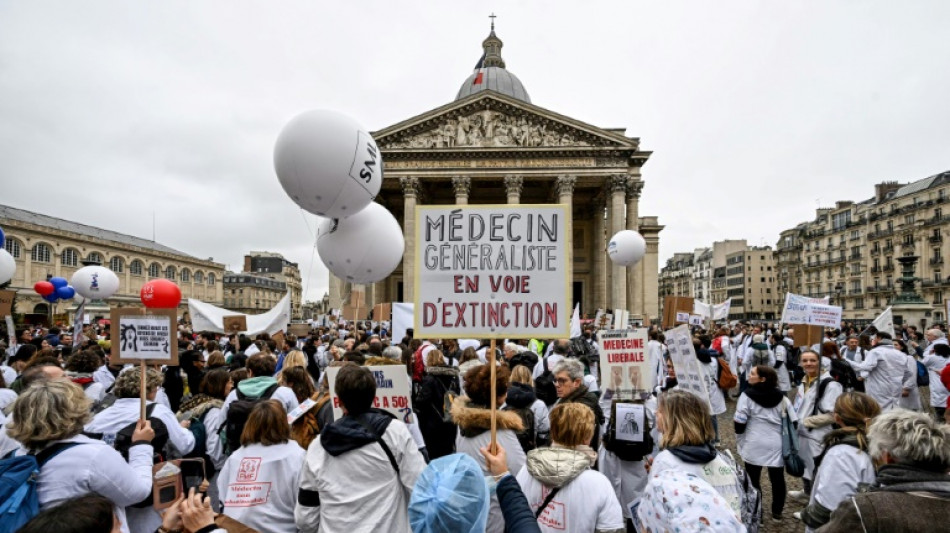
(94, 257)
(909, 219)
(135, 268)
(154, 270)
(41, 253)
(169, 272)
(199, 277)
(116, 265)
(12, 246)
(70, 257)
(211, 278)
(185, 275)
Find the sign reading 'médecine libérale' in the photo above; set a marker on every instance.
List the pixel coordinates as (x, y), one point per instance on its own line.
(493, 271)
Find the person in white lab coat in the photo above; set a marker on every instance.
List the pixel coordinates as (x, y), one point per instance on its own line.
(935, 359)
(758, 422)
(910, 395)
(814, 403)
(50, 417)
(844, 464)
(358, 474)
(884, 371)
(258, 483)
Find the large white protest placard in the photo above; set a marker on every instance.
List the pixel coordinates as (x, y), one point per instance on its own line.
(828, 316)
(689, 375)
(392, 391)
(624, 363)
(797, 307)
(144, 334)
(493, 271)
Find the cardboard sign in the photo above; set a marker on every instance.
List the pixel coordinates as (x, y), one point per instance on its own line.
(676, 310)
(382, 312)
(624, 362)
(688, 373)
(149, 334)
(279, 339)
(234, 323)
(805, 335)
(6, 302)
(493, 271)
(356, 308)
(299, 330)
(392, 391)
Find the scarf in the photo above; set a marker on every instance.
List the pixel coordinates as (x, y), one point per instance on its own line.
(764, 395)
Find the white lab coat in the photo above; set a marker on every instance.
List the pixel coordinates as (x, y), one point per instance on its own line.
(747, 360)
(810, 440)
(539, 366)
(717, 472)
(886, 369)
(94, 467)
(359, 490)
(935, 364)
(586, 503)
(258, 485)
(542, 417)
(102, 375)
(784, 380)
(628, 478)
(842, 470)
(95, 392)
(9, 375)
(717, 399)
(7, 397)
(912, 400)
(655, 350)
(761, 444)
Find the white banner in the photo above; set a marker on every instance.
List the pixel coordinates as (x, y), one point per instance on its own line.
(695, 320)
(624, 363)
(702, 309)
(207, 317)
(392, 391)
(493, 271)
(146, 337)
(885, 322)
(402, 320)
(721, 311)
(689, 375)
(797, 309)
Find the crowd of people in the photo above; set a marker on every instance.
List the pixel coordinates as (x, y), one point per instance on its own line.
(565, 450)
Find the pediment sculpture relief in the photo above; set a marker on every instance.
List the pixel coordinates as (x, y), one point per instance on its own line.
(489, 128)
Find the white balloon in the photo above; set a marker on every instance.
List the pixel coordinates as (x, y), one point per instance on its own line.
(95, 282)
(328, 163)
(626, 247)
(364, 248)
(7, 266)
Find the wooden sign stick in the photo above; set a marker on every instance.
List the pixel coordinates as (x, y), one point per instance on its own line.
(493, 446)
(143, 392)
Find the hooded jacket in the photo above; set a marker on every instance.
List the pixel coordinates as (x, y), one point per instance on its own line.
(348, 484)
(522, 396)
(255, 387)
(585, 500)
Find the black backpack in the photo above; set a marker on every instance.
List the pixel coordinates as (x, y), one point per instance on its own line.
(544, 385)
(200, 431)
(526, 437)
(627, 450)
(842, 372)
(579, 347)
(238, 412)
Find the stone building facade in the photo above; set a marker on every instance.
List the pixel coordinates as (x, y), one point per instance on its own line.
(47, 246)
(274, 266)
(251, 293)
(492, 145)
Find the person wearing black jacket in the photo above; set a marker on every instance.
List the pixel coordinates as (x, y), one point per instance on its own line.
(429, 405)
(569, 383)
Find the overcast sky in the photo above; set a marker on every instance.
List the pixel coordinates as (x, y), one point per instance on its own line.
(755, 111)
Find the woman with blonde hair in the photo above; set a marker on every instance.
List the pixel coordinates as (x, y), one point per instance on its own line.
(267, 458)
(48, 420)
(562, 488)
(844, 464)
(521, 396)
(686, 440)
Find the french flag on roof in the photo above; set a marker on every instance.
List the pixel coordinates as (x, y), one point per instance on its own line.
(479, 66)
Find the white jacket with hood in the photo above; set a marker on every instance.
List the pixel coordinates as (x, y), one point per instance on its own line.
(886, 369)
(585, 500)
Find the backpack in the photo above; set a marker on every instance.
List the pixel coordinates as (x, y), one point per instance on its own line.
(822, 385)
(238, 412)
(306, 428)
(793, 355)
(750, 506)
(579, 347)
(923, 376)
(200, 431)
(725, 378)
(107, 400)
(526, 437)
(760, 356)
(842, 372)
(19, 501)
(544, 385)
(628, 450)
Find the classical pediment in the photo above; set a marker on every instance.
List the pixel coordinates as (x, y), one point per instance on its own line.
(491, 120)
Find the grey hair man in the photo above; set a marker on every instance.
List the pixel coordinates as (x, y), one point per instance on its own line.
(569, 384)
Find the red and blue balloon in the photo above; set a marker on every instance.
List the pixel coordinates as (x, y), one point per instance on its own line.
(55, 289)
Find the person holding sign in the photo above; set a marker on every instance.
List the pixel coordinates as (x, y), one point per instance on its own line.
(357, 476)
(51, 417)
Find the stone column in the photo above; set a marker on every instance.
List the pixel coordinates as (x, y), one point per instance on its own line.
(410, 191)
(599, 252)
(634, 273)
(617, 185)
(513, 187)
(462, 186)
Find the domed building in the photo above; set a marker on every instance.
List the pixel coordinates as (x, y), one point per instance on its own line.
(492, 145)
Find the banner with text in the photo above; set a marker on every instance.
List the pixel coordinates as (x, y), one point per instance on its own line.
(688, 373)
(625, 366)
(392, 391)
(797, 308)
(493, 271)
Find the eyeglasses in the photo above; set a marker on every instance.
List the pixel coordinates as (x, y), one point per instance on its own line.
(562, 381)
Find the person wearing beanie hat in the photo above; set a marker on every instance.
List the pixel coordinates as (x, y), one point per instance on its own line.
(684, 502)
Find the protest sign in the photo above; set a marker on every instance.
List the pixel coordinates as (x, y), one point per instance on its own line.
(828, 316)
(624, 363)
(299, 330)
(234, 323)
(676, 310)
(688, 373)
(630, 422)
(805, 335)
(695, 320)
(702, 309)
(402, 320)
(493, 271)
(392, 391)
(721, 311)
(144, 334)
(796, 308)
(6, 302)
